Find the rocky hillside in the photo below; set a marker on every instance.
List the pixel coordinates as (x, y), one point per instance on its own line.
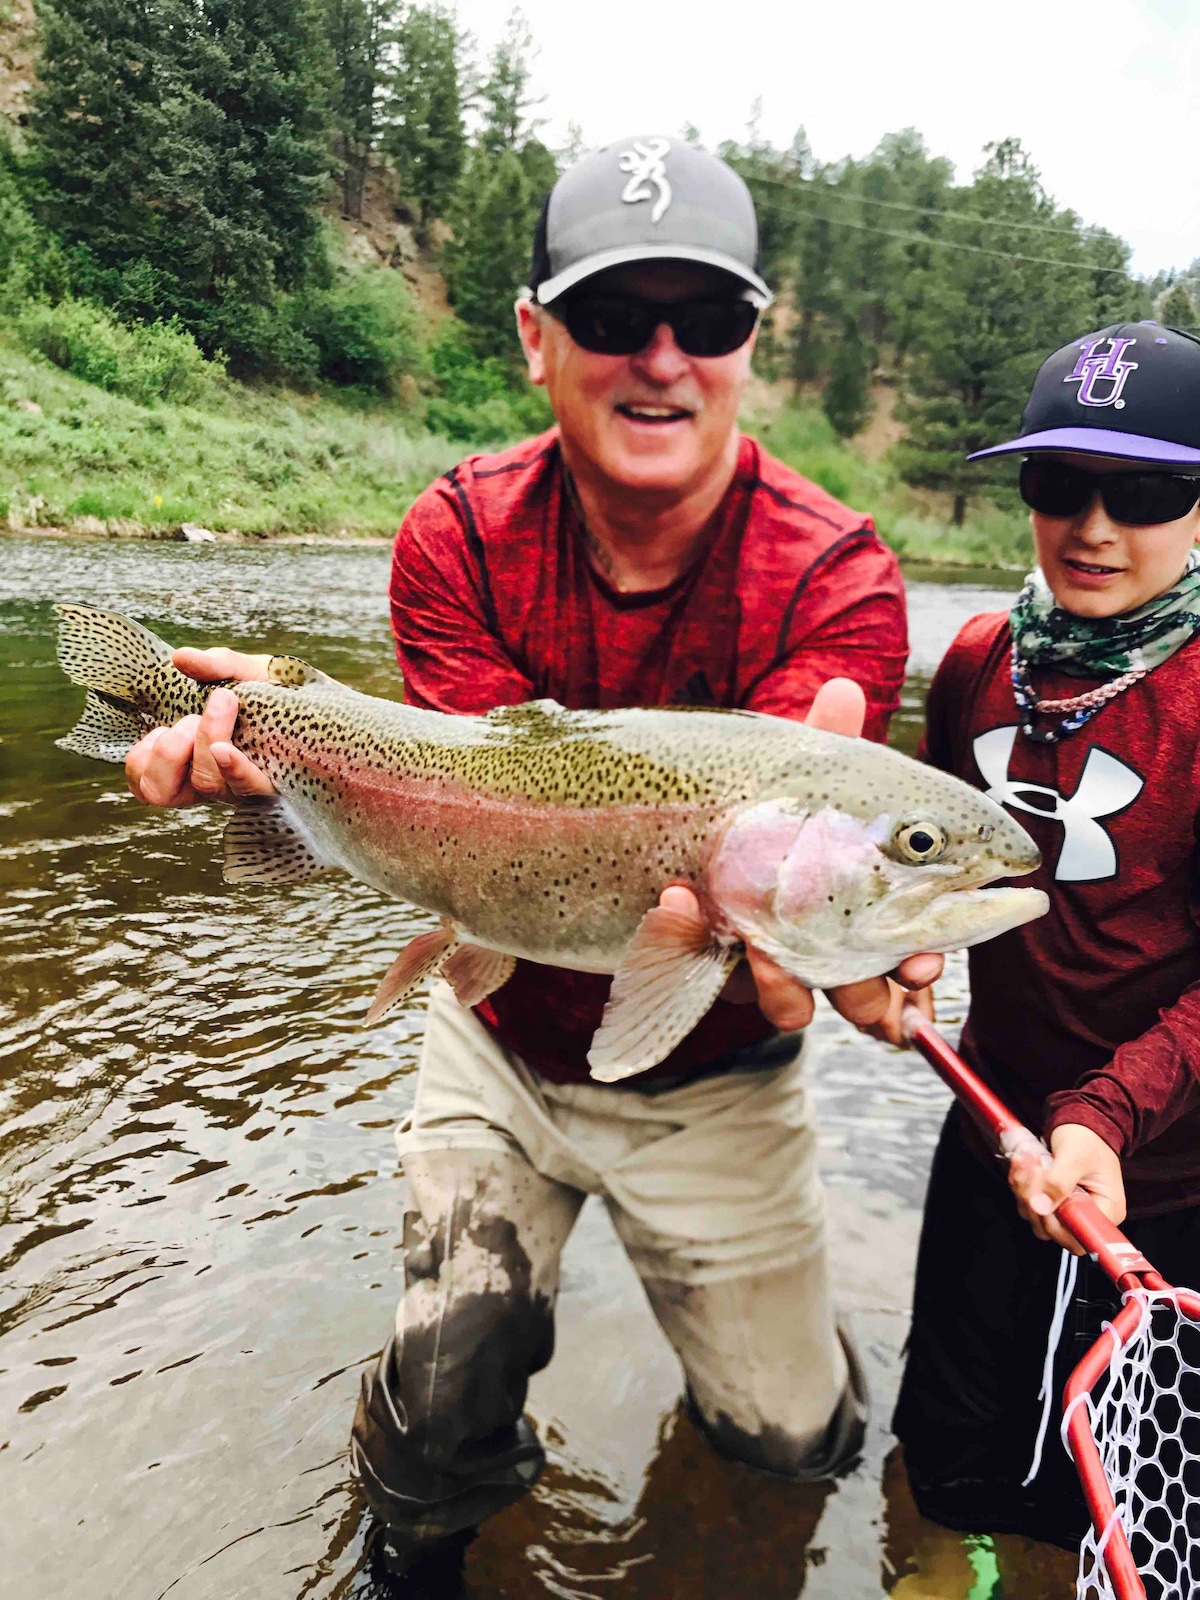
(384, 235)
(16, 58)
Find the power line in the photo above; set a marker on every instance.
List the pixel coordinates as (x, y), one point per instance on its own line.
(956, 244)
(909, 205)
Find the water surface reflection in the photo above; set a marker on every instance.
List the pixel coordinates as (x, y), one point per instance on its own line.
(198, 1240)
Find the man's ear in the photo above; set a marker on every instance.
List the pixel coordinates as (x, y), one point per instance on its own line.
(529, 328)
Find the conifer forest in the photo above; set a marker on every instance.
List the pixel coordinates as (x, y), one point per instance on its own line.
(258, 262)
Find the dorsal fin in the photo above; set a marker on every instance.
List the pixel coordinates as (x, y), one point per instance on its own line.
(290, 672)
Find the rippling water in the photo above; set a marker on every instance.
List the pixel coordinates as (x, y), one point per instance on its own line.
(198, 1190)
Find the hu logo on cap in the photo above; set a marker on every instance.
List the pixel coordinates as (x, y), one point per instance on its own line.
(644, 163)
(1106, 786)
(1102, 377)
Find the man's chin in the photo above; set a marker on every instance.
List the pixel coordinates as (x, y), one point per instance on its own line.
(653, 465)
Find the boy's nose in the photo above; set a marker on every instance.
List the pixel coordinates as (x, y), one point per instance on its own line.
(1094, 525)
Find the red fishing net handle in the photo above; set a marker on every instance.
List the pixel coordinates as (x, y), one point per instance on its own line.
(1123, 1262)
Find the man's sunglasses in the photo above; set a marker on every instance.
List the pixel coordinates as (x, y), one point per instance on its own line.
(1138, 499)
(621, 325)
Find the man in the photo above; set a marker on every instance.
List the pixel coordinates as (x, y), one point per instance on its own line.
(641, 553)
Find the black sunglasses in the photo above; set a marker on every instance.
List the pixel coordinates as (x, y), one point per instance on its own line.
(621, 325)
(1138, 499)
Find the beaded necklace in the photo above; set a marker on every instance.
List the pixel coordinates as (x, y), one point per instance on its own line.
(1080, 709)
(1121, 649)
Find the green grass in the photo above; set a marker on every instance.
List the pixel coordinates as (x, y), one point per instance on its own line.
(271, 462)
(916, 525)
(255, 461)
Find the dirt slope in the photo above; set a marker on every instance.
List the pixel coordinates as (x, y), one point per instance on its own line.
(384, 235)
(16, 58)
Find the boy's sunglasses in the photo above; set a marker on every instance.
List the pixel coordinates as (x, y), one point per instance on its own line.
(1138, 499)
(621, 325)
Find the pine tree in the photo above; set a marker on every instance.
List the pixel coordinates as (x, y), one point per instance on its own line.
(898, 190)
(1116, 295)
(1178, 310)
(847, 396)
(988, 317)
(184, 146)
(541, 171)
(507, 178)
(360, 34)
(817, 288)
(775, 179)
(504, 96)
(20, 245)
(426, 137)
(488, 259)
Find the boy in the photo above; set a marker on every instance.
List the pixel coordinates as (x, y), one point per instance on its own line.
(1081, 713)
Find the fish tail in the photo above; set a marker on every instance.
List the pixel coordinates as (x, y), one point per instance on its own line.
(131, 682)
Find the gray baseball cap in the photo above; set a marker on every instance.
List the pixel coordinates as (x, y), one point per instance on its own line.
(646, 199)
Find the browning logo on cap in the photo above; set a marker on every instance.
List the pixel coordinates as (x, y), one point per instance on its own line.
(644, 163)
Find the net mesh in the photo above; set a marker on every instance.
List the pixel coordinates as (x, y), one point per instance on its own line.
(1145, 1418)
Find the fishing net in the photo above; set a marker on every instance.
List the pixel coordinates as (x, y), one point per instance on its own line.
(1144, 1416)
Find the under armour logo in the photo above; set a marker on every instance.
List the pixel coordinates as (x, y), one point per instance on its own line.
(1106, 785)
(644, 163)
(1102, 377)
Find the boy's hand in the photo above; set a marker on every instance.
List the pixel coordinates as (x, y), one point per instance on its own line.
(1080, 1160)
(839, 707)
(193, 761)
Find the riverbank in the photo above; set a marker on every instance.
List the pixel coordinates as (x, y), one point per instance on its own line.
(253, 464)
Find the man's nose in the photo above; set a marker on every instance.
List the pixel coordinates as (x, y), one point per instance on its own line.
(661, 361)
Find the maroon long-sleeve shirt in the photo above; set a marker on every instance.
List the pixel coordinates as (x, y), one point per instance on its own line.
(495, 602)
(1091, 1014)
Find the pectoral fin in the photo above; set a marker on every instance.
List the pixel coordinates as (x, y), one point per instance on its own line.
(474, 972)
(264, 843)
(422, 956)
(671, 974)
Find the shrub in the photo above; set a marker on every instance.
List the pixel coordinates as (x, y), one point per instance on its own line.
(362, 328)
(479, 401)
(17, 230)
(32, 262)
(260, 341)
(143, 361)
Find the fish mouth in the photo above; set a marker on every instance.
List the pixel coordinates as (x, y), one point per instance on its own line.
(914, 893)
(954, 920)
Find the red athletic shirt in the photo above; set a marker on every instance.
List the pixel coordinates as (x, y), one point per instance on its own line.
(1091, 1014)
(495, 602)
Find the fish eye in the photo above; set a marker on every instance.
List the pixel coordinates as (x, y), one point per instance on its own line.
(918, 839)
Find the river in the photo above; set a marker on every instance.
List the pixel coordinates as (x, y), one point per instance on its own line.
(200, 1201)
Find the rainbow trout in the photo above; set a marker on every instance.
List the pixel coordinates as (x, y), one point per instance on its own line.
(549, 834)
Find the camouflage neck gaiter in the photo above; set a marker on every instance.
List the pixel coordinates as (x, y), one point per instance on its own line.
(1044, 635)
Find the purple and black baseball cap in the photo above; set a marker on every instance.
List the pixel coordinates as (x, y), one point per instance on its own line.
(1130, 391)
(649, 198)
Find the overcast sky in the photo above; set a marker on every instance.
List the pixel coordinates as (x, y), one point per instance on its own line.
(1105, 94)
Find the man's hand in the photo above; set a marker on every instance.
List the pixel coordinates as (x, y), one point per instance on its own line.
(1080, 1160)
(193, 761)
(873, 1005)
(888, 1028)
